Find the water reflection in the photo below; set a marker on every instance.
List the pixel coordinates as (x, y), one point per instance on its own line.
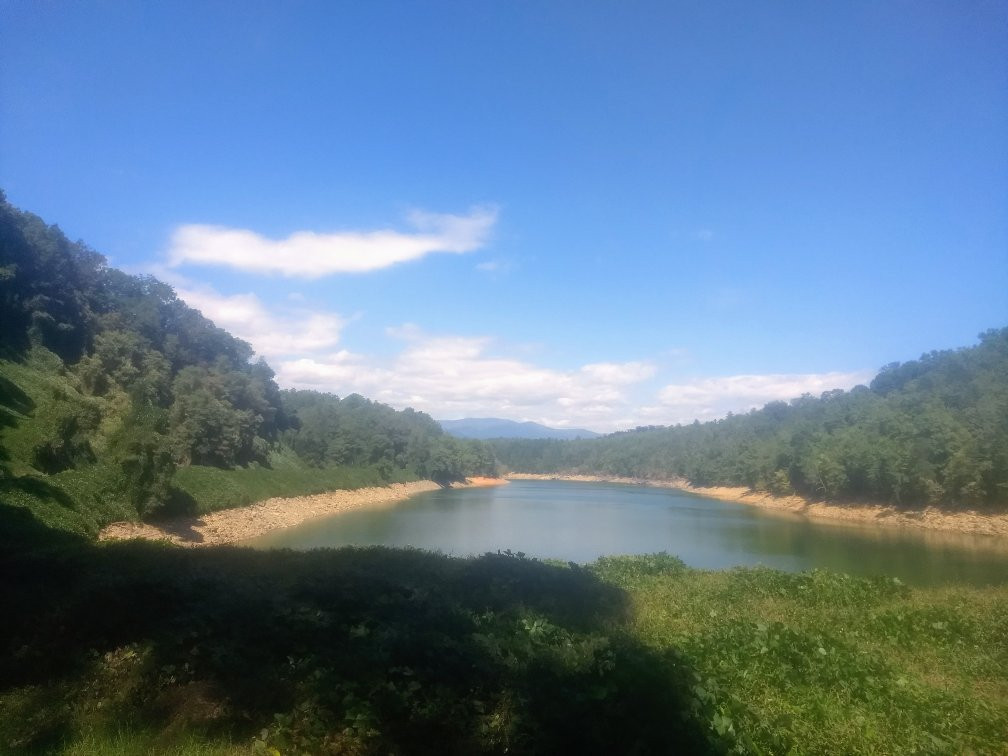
(582, 521)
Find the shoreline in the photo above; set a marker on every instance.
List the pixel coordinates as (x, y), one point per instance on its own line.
(231, 526)
(969, 522)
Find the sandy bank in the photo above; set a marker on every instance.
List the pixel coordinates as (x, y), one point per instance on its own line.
(931, 518)
(479, 482)
(242, 523)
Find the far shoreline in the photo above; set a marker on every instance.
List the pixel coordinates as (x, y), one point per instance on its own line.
(239, 524)
(969, 522)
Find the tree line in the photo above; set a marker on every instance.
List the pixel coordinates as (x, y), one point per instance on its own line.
(929, 431)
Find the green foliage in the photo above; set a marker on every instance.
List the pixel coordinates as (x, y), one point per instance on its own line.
(933, 431)
(356, 431)
(627, 570)
(349, 651)
(821, 662)
(43, 287)
(125, 360)
(399, 651)
(141, 451)
(211, 424)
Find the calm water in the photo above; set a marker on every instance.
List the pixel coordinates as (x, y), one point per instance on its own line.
(582, 521)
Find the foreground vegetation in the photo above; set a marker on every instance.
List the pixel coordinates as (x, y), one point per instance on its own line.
(133, 647)
(930, 431)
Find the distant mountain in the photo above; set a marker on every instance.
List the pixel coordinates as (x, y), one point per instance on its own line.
(495, 427)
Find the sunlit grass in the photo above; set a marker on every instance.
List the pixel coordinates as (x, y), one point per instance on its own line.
(823, 662)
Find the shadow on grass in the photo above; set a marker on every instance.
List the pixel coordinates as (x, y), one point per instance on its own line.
(350, 650)
(12, 397)
(13, 403)
(37, 487)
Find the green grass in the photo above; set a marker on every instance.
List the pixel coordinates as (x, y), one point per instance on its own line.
(38, 398)
(137, 647)
(822, 662)
(210, 488)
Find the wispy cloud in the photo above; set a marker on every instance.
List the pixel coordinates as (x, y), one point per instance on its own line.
(710, 398)
(309, 254)
(497, 267)
(703, 235)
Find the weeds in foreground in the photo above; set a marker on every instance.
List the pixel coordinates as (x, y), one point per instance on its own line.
(139, 647)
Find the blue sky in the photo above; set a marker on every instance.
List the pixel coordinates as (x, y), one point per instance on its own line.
(579, 213)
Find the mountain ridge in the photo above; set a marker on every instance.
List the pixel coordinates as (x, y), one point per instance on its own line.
(482, 428)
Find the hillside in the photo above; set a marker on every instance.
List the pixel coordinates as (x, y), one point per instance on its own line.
(117, 400)
(930, 431)
(486, 428)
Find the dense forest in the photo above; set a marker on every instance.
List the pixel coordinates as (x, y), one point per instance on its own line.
(110, 385)
(929, 431)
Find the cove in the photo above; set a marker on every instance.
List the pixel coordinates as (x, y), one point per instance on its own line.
(580, 522)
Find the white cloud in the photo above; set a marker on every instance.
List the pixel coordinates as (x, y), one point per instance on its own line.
(308, 254)
(452, 376)
(498, 267)
(703, 235)
(277, 334)
(709, 398)
(455, 376)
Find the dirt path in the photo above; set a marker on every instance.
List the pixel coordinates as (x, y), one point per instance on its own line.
(243, 523)
(931, 518)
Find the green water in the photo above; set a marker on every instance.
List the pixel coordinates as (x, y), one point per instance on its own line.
(581, 521)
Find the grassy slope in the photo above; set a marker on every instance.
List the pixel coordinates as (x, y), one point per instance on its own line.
(825, 662)
(211, 488)
(130, 647)
(38, 394)
(35, 397)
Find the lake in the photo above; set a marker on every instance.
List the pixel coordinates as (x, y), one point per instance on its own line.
(579, 522)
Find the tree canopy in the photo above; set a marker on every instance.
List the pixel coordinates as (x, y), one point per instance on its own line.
(929, 431)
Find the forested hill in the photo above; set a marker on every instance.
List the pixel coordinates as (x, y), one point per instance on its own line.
(930, 431)
(113, 393)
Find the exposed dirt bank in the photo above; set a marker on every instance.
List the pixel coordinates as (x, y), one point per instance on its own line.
(966, 521)
(243, 523)
(479, 482)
